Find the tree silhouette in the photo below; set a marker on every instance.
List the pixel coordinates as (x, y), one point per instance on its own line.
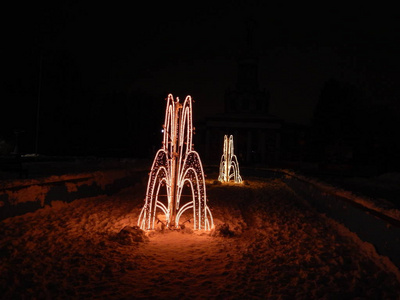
(335, 125)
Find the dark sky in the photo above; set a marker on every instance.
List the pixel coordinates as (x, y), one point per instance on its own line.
(191, 48)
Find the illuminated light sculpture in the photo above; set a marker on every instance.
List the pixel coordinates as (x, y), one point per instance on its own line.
(175, 166)
(229, 166)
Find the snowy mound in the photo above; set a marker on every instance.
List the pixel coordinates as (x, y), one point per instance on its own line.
(390, 181)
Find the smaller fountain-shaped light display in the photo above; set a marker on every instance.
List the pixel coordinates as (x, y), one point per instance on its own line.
(229, 166)
(176, 168)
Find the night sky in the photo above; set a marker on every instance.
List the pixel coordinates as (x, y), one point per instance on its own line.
(83, 53)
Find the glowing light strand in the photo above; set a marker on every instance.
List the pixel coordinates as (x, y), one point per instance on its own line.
(229, 165)
(175, 165)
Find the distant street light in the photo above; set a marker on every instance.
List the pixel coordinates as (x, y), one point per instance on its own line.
(38, 106)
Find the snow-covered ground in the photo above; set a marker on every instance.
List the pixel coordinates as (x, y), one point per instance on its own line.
(268, 243)
(384, 187)
(380, 194)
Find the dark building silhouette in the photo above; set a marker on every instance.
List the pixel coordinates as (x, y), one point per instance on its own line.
(256, 132)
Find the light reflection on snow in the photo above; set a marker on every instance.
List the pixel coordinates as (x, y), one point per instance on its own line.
(279, 248)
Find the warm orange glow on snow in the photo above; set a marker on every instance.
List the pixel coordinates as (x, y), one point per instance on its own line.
(229, 166)
(175, 166)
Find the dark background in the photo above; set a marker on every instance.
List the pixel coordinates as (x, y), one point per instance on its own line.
(99, 72)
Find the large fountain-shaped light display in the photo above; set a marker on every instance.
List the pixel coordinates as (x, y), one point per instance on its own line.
(176, 167)
(229, 166)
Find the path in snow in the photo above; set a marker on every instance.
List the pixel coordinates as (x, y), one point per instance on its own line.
(267, 243)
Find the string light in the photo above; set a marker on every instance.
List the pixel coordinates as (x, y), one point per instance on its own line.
(175, 165)
(229, 166)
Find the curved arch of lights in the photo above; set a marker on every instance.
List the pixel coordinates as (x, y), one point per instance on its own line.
(175, 165)
(229, 165)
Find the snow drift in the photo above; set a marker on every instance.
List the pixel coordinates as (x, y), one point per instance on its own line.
(26, 195)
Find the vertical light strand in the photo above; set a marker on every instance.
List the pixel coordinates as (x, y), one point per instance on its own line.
(229, 165)
(174, 164)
